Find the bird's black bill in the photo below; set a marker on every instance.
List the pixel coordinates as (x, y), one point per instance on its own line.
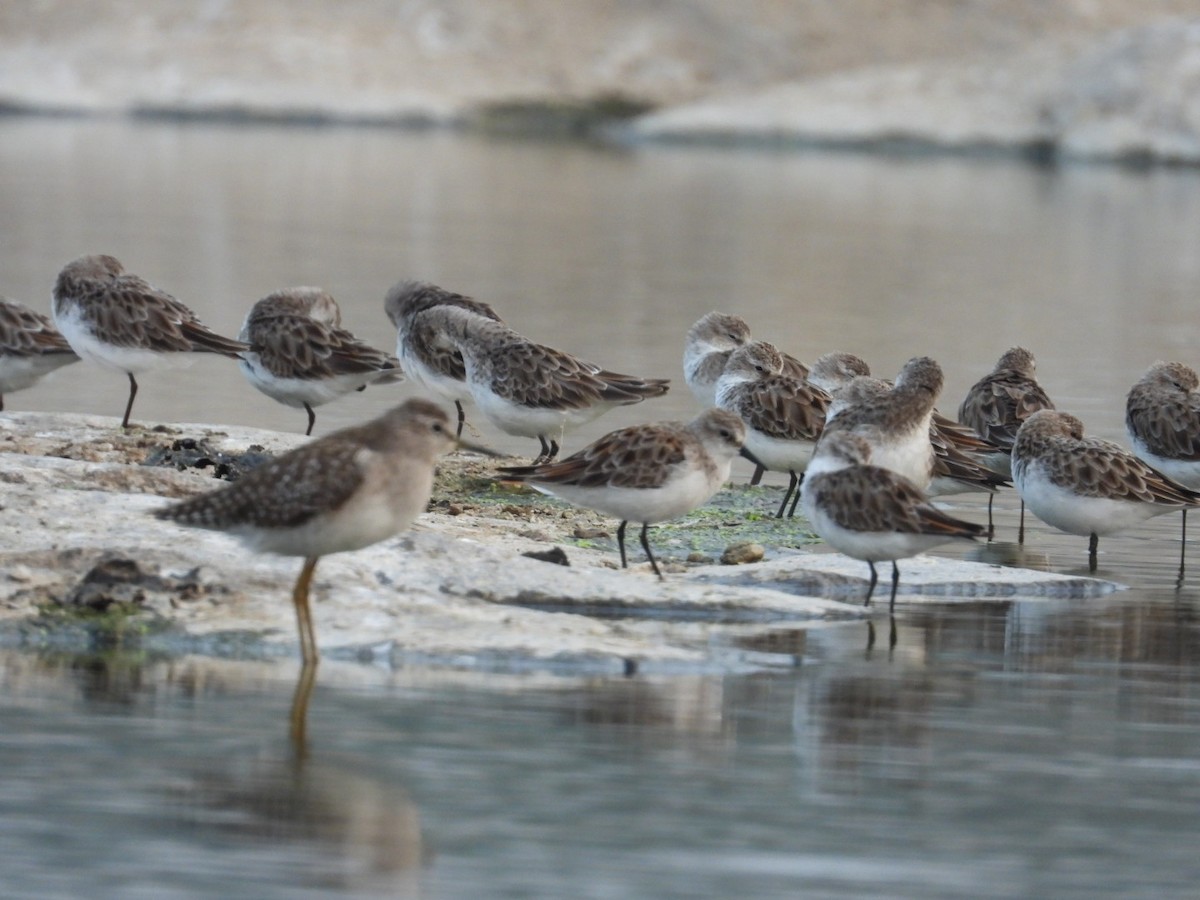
(750, 456)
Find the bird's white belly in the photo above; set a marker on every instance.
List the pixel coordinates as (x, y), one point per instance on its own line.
(681, 494)
(1181, 471)
(1068, 511)
(83, 341)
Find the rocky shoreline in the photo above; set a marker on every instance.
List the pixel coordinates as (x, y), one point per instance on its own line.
(79, 544)
(1105, 81)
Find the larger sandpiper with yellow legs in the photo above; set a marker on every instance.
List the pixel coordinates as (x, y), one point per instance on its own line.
(344, 491)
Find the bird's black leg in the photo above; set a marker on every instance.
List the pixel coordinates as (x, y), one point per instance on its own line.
(895, 582)
(1021, 530)
(312, 418)
(621, 543)
(1093, 543)
(991, 533)
(649, 555)
(129, 405)
(787, 494)
(1182, 547)
(871, 586)
(545, 455)
(796, 496)
(462, 417)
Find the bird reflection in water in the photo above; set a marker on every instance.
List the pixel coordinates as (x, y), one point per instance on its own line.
(360, 833)
(317, 821)
(891, 637)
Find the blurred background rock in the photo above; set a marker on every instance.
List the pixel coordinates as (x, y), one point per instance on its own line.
(1099, 79)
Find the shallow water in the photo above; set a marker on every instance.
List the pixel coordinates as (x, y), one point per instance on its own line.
(1008, 750)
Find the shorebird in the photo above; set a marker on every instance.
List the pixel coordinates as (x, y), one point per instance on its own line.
(869, 512)
(707, 347)
(301, 356)
(1162, 420)
(645, 473)
(30, 347)
(709, 343)
(529, 389)
(956, 466)
(897, 421)
(996, 405)
(1085, 485)
(423, 354)
(118, 320)
(831, 371)
(834, 370)
(783, 416)
(344, 491)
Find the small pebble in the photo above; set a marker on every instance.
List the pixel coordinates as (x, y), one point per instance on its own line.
(742, 553)
(584, 532)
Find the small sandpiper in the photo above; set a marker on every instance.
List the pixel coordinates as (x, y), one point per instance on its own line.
(30, 347)
(896, 421)
(995, 407)
(1088, 486)
(869, 512)
(120, 321)
(956, 466)
(425, 356)
(301, 356)
(783, 416)
(707, 347)
(529, 389)
(1162, 420)
(645, 473)
(344, 491)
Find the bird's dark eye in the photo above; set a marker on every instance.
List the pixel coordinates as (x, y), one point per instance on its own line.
(438, 428)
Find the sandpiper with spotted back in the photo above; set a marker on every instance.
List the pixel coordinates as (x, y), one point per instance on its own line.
(425, 356)
(645, 473)
(30, 347)
(301, 356)
(995, 407)
(1088, 486)
(869, 512)
(531, 390)
(343, 491)
(783, 416)
(120, 321)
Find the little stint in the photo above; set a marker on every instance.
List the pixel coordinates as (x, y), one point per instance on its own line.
(118, 320)
(645, 473)
(301, 356)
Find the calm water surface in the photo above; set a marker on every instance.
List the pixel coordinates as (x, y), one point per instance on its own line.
(1007, 750)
